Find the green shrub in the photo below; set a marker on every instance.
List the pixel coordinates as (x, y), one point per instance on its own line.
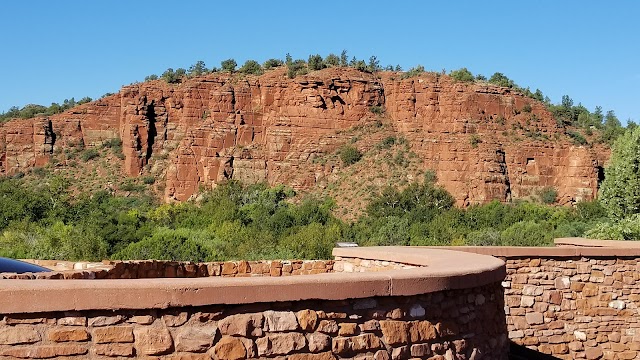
(251, 67)
(228, 65)
(623, 229)
(295, 68)
(272, 63)
(89, 154)
(474, 140)
(576, 137)
(173, 77)
(548, 195)
(198, 69)
(501, 80)
(150, 179)
(527, 233)
(129, 185)
(315, 62)
(462, 75)
(527, 108)
(332, 60)
(349, 155)
(413, 72)
(484, 237)
(167, 244)
(387, 142)
(377, 109)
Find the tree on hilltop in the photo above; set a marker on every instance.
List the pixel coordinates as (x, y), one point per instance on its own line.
(228, 65)
(197, 69)
(251, 67)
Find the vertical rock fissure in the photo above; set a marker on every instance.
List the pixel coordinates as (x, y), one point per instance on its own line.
(501, 157)
(151, 117)
(49, 136)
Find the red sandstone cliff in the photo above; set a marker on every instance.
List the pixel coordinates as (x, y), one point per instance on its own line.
(267, 128)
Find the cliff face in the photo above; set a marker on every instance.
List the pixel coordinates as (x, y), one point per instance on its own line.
(482, 141)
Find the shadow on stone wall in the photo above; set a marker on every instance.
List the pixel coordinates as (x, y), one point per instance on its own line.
(519, 352)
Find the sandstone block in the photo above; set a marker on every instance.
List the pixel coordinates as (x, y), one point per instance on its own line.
(197, 340)
(369, 325)
(307, 319)
(323, 356)
(242, 324)
(14, 335)
(114, 350)
(593, 353)
(590, 289)
(365, 342)
(420, 350)
(141, 319)
(229, 268)
(113, 334)
(627, 355)
(280, 343)
(152, 340)
(275, 321)
(527, 301)
(230, 348)
(347, 329)
(562, 283)
(68, 334)
(318, 342)
(400, 353)
(106, 320)
(16, 319)
(328, 326)
(421, 331)
(45, 351)
(175, 319)
(534, 318)
(73, 321)
(395, 332)
(532, 290)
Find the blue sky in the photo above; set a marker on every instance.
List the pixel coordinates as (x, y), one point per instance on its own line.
(54, 50)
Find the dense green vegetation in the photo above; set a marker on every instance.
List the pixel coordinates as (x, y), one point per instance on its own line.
(256, 222)
(32, 110)
(620, 191)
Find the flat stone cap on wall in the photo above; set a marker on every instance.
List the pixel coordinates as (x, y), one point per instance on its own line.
(435, 270)
(565, 248)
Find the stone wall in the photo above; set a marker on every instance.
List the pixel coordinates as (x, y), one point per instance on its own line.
(456, 324)
(172, 269)
(419, 304)
(579, 300)
(576, 307)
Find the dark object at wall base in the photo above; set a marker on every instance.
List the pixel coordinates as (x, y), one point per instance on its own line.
(16, 266)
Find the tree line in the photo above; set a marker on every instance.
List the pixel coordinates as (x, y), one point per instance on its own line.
(236, 221)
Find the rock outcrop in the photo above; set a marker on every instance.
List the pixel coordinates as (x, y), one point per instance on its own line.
(484, 142)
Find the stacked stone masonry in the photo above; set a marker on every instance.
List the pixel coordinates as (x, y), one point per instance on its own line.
(454, 324)
(576, 307)
(173, 269)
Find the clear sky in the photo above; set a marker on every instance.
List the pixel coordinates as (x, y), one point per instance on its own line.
(590, 50)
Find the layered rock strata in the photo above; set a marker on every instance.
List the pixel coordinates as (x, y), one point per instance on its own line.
(484, 142)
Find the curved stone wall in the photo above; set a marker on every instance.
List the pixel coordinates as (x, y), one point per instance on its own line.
(431, 304)
(579, 300)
